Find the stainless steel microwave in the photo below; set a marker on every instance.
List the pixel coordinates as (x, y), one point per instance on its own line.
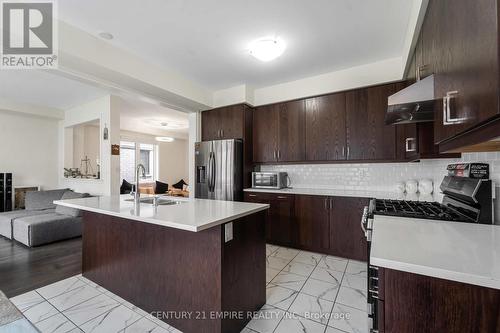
(272, 180)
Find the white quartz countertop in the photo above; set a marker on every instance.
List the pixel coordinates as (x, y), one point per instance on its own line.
(190, 214)
(463, 252)
(345, 193)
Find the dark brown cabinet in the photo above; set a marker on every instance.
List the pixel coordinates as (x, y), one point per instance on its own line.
(231, 122)
(416, 142)
(326, 128)
(279, 132)
(407, 146)
(458, 42)
(313, 222)
(324, 224)
(465, 61)
(368, 137)
(291, 131)
(265, 133)
(418, 303)
(280, 227)
(224, 123)
(347, 240)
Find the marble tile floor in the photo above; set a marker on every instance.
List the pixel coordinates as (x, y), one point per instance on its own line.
(306, 293)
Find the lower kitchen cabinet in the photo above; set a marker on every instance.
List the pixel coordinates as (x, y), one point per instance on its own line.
(280, 227)
(347, 240)
(417, 303)
(324, 224)
(312, 214)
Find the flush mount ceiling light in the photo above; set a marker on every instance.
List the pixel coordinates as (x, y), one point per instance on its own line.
(166, 124)
(164, 139)
(267, 48)
(105, 35)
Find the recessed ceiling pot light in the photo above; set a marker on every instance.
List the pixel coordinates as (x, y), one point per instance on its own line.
(267, 48)
(106, 35)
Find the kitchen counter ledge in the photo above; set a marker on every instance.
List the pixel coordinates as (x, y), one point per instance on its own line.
(462, 252)
(190, 214)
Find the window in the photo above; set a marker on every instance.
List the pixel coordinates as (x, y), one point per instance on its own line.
(127, 161)
(130, 152)
(146, 156)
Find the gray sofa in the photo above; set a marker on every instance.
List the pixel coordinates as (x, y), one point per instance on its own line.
(42, 222)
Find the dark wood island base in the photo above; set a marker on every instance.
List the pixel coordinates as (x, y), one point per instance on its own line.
(194, 281)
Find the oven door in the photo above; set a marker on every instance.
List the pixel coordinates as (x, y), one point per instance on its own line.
(372, 276)
(373, 300)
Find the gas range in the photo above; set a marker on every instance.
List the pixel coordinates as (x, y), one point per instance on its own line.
(468, 197)
(423, 210)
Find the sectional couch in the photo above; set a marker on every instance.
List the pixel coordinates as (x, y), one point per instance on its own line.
(42, 222)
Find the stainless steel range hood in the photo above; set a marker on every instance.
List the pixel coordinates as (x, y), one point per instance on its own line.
(413, 104)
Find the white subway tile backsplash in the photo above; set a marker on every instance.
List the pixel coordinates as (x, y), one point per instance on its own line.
(381, 176)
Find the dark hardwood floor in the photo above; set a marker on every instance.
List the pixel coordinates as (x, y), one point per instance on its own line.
(23, 269)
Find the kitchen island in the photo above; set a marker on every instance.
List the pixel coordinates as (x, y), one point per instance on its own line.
(198, 265)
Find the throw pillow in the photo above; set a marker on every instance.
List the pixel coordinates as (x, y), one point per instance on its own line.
(161, 188)
(180, 184)
(126, 187)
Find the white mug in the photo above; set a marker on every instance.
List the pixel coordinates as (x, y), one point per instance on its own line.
(425, 186)
(411, 186)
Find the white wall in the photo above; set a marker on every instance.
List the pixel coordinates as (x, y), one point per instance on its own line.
(194, 136)
(383, 176)
(105, 110)
(173, 161)
(350, 78)
(29, 149)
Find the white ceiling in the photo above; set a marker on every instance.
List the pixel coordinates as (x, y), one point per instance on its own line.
(206, 40)
(41, 88)
(146, 118)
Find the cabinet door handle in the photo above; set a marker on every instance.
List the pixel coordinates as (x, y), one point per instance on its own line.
(418, 71)
(252, 195)
(279, 154)
(408, 147)
(343, 151)
(274, 155)
(326, 203)
(281, 197)
(331, 204)
(447, 119)
(222, 133)
(348, 152)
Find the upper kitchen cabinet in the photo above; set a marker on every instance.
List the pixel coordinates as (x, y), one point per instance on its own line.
(325, 128)
(466, 63)
(279, 132)
(225, 123)
(231, 122)
(291, 143)
(368, 137)
(458, 43)
(265, 133)
(416, 142)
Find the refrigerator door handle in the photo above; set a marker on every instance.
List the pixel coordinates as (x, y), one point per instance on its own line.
(212, 170)
(209, 172)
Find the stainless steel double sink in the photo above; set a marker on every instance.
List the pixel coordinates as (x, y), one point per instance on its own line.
(161, 201)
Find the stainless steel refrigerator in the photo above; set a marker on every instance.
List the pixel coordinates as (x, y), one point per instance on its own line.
(219, 170)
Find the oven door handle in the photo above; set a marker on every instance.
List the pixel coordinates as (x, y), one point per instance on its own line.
(364, 219)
